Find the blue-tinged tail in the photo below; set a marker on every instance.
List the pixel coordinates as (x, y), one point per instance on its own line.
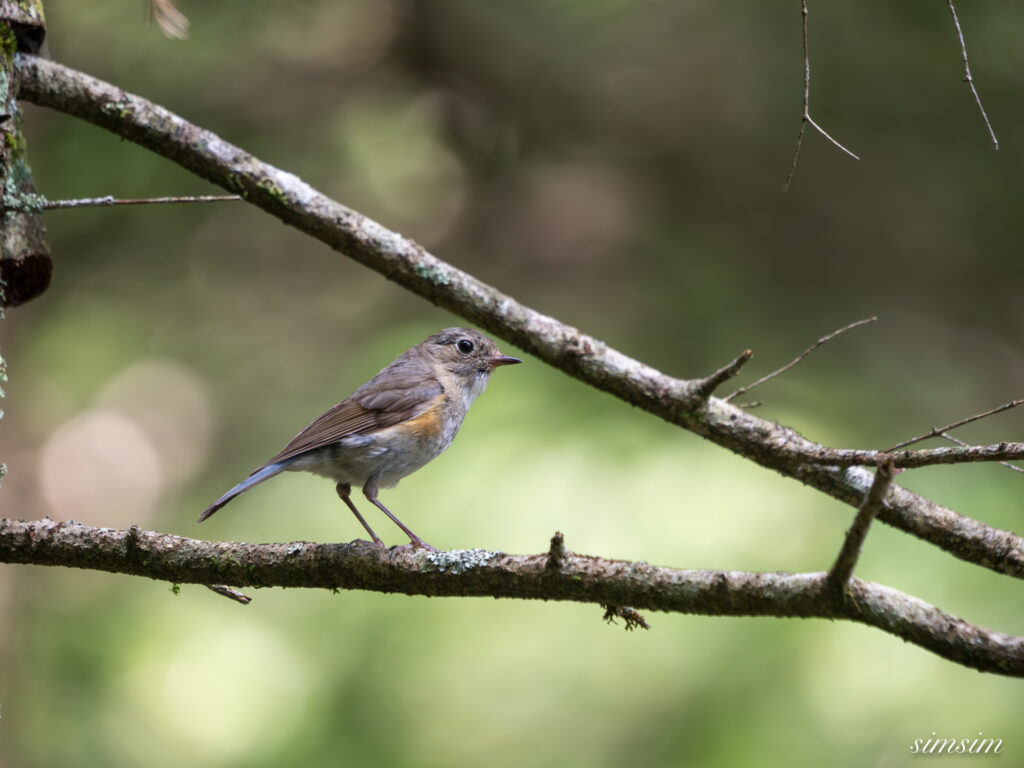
(255, 478)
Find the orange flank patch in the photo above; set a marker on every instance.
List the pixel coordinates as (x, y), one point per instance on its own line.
(427, 425)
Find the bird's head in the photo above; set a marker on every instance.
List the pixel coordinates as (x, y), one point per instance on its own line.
(466, 358)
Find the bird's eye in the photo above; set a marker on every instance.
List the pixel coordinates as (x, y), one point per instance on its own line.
(465, 346)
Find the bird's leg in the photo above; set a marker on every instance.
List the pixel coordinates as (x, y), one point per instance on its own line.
(370, 491)
(344, 489)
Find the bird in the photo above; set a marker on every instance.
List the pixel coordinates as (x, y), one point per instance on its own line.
(397, 422)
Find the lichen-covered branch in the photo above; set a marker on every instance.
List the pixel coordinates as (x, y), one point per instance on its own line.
(679, 401)
(577, 578)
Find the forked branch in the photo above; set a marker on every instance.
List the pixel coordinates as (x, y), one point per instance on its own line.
(806, 117)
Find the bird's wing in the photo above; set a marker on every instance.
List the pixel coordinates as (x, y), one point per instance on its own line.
(382, 402)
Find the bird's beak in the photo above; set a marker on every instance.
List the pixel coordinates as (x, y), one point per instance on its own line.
(503, 360)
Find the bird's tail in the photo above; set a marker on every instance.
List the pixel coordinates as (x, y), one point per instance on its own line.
(255, 478)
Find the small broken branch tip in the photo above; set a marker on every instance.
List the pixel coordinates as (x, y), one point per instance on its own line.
(556, 554)
(630, 616)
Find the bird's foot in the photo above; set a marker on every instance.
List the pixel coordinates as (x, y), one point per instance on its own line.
(417, 544)
(375, 542)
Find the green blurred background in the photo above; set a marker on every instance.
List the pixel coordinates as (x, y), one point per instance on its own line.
(617, 165)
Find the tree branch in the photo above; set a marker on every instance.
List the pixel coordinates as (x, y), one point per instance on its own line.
(578, 578)
(586, 358)
(842, 570)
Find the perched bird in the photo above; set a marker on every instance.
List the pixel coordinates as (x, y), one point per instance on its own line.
(391, 426)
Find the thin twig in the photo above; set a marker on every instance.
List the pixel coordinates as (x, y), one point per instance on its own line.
(801, 356)
(230, 593)
(842, 570)
(963, 444)
(967, 73)
(111, 200)
(825, 133)
(806, 118)
(938, 431)
(710, 383)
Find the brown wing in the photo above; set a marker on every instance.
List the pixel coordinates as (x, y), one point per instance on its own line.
(381, 402)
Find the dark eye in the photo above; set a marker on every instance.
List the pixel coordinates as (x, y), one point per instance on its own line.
(465, 346)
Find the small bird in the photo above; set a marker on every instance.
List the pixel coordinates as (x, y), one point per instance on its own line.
(395, 423)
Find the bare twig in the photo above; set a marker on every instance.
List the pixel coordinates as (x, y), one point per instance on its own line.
(108, 200)
(577, 354)
(938, 431)
(230, 593)
(581, 578)
(806, 118)
(33, 203)
(958, 441)
(801, 356)
(967, 73)
(706, 386)
(842, 570)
